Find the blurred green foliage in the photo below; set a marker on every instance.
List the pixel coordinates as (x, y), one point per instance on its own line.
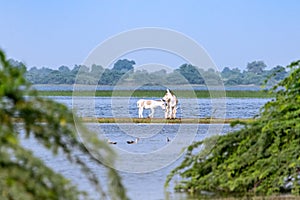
(24, 114)
(262, 158)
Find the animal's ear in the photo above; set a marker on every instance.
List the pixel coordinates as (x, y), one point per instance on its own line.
(168, 91)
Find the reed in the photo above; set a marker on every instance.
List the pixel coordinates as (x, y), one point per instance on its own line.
(160, 93)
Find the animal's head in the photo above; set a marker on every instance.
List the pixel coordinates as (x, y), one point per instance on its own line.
(163, 104)
(167, 96)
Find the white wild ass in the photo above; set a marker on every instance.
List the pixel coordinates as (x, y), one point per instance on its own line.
(149, 104)
(171, 102)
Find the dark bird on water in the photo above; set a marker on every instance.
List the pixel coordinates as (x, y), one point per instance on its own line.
(111, 142)
(133, 141)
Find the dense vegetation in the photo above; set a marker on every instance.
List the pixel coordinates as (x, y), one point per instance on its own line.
(24, 114)
(262, 158)
(123, 73)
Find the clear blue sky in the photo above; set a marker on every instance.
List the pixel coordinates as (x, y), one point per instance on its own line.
(55, 33)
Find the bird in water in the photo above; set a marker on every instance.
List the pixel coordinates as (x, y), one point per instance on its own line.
(111, 142)
(133, 141)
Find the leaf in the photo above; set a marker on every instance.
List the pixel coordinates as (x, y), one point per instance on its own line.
(257, 158)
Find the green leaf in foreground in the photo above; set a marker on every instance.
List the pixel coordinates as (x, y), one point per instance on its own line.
(263, 158)
(24, 176)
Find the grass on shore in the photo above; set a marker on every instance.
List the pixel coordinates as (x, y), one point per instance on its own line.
(160, 93)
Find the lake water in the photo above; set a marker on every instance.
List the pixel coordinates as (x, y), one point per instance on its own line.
(187, 108)
(145, 165)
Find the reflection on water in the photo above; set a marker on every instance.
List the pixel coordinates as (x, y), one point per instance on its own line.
(143, 185)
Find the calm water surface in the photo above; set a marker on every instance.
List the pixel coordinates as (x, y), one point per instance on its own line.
(149, 184)
(187, 108)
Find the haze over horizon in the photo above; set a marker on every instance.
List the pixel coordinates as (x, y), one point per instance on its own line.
(52, 34)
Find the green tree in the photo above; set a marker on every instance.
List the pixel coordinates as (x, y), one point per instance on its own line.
(252, 78)
(279, 73)
(262, 158)
(191, 73)
(158, 77)
(211, 77)
(226, 72)
(257, 67)
(19, 65)
(38, 76)
(123, 66)
(141, 77)
(110, 77)
(96, 71)
(176, 78)
(22, 175)
(64, 69)
(232, 76)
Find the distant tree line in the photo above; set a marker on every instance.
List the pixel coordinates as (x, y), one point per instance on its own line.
(123, 72)
(255, 74)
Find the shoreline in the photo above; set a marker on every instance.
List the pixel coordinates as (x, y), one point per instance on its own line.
(165, 121)
(160, 93)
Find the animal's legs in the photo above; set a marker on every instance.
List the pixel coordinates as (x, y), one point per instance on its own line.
(174, 110)
(141, 112)
(152, 113)
(166, 112)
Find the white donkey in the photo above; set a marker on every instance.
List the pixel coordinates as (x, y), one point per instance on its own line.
(171, 108)
(149, 104)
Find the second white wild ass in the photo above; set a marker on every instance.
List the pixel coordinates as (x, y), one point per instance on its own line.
(149, 104)
(171, 102)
